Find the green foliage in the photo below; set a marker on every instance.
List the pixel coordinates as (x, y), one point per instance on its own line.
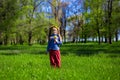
(18, 18)
(8, 13)
(53, 22)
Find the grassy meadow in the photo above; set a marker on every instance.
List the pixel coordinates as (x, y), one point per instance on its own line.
(80, 61)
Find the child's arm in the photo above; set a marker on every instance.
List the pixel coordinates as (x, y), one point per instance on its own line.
(59, 41)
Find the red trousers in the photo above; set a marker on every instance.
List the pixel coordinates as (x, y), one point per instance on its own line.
(55, 59)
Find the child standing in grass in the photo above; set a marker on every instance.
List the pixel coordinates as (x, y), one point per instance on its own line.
(54, 40)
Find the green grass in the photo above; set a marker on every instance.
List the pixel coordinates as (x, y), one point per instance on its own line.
(79, 62)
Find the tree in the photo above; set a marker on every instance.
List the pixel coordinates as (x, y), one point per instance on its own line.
(95, 15)
(115, 18)
(31, 17)
(59, 11)
(8, 14)
(109, 20)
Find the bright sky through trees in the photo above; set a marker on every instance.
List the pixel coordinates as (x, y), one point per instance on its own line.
(73, 7)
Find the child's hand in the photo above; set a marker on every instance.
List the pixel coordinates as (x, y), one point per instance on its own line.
(55, 37)
(55, 41)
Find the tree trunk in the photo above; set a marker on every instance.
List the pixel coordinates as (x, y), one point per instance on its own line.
(116, 36)
(21, 40)
(82, 35)
(65, 30)
(92, 39)
(6, 39)
(96, 39)
(105, 38)
(16, 41)
(0, 39)
(1, 43)
(110, 39)
(98, 29)
(73, 41)
(85, 38)
(64, 36)
(109, 21)
(98, 36)
(102, 39)
(29, 37)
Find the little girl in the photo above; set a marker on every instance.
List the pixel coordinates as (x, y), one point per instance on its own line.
(54, 40)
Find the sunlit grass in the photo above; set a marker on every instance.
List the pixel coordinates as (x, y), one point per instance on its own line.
(31, 63)
(31, 67)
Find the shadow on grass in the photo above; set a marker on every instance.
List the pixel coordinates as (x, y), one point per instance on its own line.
(113, 55)
(77, 49)
(9, 54)
(89, 50)
(80, 53)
